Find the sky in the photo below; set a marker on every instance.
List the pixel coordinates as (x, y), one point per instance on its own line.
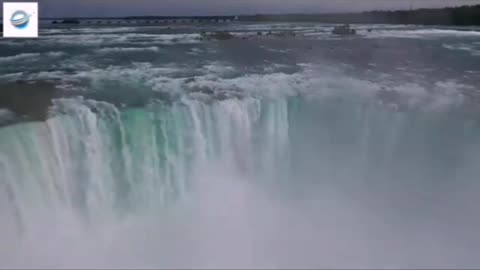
(117, 8)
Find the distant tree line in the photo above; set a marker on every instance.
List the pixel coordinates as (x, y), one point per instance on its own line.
(463, 15)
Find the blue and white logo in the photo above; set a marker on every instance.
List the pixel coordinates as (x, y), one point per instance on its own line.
(20, 19)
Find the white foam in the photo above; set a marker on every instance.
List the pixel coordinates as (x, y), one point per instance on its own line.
(29, 56)
(448, 93)
(273, 67)
(170, 79)
(120, 38)
(178, 38)
(471, 48)
(11, 76)
(452, 87)
(195, 51)
(47, 75)
(217, 67)
(280, 26)
(127, 49)
(473, 71)
(53, 31)
(39, 76)
(138, 73)
(287, 50)
(55, 54)
(6, 115)
(19, 57)
(436, 97)
(312, 81)
(105, 29)
(87, 39)
(215, 77)
(420, 33)
(270, 85)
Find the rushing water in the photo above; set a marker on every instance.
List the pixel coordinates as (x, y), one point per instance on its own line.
(160, 149)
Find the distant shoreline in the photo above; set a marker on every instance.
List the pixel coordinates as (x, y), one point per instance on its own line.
(453, 16)
(457, 16)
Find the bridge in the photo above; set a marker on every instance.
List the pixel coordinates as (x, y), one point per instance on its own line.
(147, 20)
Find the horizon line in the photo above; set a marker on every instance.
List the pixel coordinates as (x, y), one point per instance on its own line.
(248, 15)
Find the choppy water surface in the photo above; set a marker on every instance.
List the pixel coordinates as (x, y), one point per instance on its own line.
(152, 147)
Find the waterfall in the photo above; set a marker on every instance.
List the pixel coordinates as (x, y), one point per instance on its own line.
(94, 179)
(91, 157)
